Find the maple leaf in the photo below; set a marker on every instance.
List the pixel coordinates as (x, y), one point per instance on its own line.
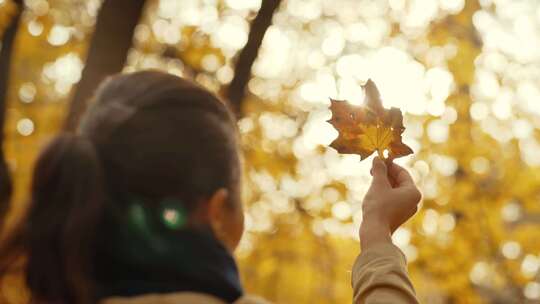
(370, 128)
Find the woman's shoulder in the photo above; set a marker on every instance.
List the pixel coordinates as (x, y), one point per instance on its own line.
(249, 299)
(179, 298)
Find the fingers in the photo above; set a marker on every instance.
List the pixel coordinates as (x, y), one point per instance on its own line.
(380, 173)
(405, 183)
(401, 176)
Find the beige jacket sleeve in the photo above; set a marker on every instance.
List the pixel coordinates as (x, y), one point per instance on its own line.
(380, 276)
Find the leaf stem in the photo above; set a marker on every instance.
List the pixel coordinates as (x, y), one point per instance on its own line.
(380, 154)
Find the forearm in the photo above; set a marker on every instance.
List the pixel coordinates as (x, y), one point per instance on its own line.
(380, 272)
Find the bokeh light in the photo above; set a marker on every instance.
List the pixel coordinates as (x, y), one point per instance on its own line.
(464, 73)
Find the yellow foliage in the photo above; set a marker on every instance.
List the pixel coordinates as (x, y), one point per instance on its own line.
(475, 239)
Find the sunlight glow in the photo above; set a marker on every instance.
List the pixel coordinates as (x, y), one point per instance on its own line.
(469, 93)
(59, 35)
(27, 92)
(341, 210)
(479, 273)
(65, 72)
(401, 237)
(25, 127)
(530, 265)
(511, 250)
(511, 212)
(532, 290)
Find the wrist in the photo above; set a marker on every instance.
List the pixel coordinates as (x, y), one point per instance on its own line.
(374, 231)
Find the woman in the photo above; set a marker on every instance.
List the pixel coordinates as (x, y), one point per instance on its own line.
(142, 205)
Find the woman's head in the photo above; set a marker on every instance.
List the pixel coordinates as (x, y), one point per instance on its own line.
(162, 137)
(148, 136)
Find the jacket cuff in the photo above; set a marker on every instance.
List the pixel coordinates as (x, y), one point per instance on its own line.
(381, 252)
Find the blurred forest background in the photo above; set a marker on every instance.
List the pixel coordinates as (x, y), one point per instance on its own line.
(465, 73)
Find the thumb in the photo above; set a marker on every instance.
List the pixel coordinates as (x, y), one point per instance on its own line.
(380, 174)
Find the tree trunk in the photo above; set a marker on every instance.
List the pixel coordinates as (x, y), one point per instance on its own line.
(6, 186)
(242, 72)
(109, 46)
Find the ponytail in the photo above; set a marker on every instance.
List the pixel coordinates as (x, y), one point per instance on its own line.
(59, 232)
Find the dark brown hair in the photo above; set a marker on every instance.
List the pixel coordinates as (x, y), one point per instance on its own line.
(148, 133)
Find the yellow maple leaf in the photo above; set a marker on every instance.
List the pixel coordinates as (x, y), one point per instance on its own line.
(370, 128)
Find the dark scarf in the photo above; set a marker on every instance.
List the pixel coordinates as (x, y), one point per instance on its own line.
(147, 253)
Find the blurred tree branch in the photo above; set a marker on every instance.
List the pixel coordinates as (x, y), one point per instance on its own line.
(6, 186)
(525, 219)
(109, 46)
(236, 91)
